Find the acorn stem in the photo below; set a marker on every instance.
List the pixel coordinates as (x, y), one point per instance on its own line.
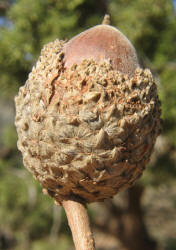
(79, 223)
(107, 19)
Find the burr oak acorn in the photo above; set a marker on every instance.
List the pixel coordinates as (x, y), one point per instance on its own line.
(88, 116)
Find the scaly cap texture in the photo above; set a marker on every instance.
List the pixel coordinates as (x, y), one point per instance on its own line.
(85, 132)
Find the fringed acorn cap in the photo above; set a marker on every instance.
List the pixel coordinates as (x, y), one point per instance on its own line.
(86, 131)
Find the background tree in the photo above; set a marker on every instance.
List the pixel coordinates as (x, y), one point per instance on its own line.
(29, 220)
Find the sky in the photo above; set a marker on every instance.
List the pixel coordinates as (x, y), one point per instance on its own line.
(174, 1)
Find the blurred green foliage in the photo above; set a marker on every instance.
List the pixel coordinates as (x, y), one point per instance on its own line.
(26, 215)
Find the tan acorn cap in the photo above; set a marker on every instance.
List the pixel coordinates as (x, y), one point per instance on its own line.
(86, 132)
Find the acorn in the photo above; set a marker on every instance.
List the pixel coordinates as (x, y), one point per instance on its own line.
(102, 43)
(88, 116)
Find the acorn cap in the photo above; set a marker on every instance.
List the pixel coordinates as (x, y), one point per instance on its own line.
(86, 131)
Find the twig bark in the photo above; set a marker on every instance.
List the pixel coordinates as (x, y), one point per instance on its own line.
(79, 223)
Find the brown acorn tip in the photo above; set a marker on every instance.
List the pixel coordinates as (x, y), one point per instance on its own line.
(107, 19)
(102, 43)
